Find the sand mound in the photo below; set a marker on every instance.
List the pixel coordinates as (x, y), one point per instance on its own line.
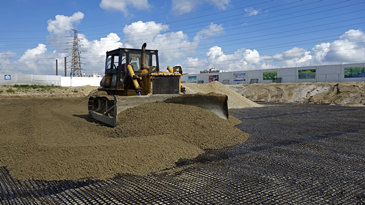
(52, 139)
(343, 93)
(190, 124)
(235, 100)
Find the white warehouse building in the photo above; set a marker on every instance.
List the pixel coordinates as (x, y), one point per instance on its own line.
(321, 73)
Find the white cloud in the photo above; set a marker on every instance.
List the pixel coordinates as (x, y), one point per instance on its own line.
(186, 6)
(216, 58)
(94, 54)
(5, 62)
(348, 49)
(63, 23)
(192, 65)
(221, 4)
(293, 57)
(251, 56)
(36, 60)
(59, 29)
(32, 53)
(251, 11)
(41, 60)
(320, 51)
(241, 59)
(171, 45)
(6, 56)
(212, 30)
(122, 5)
(140, 32)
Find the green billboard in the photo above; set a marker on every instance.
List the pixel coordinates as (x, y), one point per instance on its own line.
(354, 72)
(307, 74)
(271, 75)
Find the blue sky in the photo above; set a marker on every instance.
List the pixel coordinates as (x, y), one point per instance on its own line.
(197, 34)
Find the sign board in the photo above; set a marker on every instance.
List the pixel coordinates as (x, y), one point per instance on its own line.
(191, 79)
(213, 78)
(354, 72)
(271, 75)
(7, 77)
(307, 74)
(237, 77)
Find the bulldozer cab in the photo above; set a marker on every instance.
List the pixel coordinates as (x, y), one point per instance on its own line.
(117, 61)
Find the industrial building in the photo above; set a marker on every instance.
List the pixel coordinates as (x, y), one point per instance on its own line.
(321, 73)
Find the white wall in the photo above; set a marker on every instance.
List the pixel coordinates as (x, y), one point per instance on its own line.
(324, 73)
(80, 81)
(24, 79)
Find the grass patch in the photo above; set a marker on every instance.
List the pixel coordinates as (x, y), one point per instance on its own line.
(10, 90)
(46, 87)
(36, 87)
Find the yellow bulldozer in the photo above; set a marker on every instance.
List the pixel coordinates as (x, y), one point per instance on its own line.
(133, 77)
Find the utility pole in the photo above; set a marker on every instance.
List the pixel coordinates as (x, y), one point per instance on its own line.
(65, 67)
(75, 60)
(56, 66)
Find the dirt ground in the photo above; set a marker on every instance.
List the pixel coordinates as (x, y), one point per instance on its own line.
(337, 93)
(46, 138)
(6, 91)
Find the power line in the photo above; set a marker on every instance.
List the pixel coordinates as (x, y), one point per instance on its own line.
(219, 19)
(293, 16)
(235, 27)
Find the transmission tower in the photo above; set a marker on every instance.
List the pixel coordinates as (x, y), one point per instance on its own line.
(75, 60)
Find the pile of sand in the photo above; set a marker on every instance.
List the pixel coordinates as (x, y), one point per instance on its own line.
(235, 100)
(53, 139)
(343, 93)
(190, 124)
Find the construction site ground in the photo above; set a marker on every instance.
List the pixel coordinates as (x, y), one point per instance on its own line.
(296, 154)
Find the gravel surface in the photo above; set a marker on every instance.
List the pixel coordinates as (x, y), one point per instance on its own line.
(297, 154)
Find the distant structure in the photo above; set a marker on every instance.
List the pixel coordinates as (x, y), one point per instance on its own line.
(75, 60)
(211, 70)
(353, 72)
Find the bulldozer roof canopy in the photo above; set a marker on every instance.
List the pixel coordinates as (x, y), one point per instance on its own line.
(116, 52)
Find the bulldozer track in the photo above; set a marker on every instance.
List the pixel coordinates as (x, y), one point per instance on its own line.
(297, 154)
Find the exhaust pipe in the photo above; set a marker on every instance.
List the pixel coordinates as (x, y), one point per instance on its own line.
(143, 56)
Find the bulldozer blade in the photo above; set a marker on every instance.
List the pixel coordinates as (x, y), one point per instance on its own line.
(215, 103)
(105, 108)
